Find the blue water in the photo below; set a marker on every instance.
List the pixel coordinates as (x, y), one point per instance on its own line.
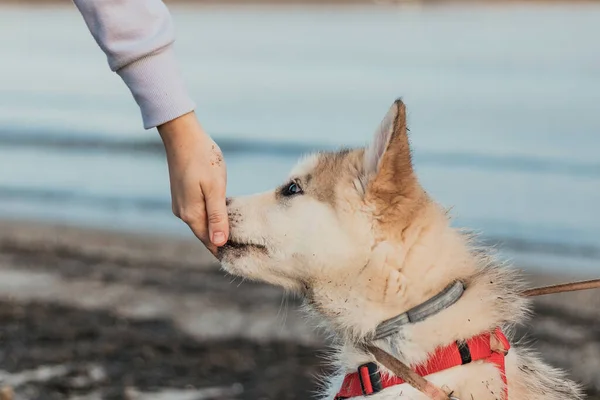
(503, 108)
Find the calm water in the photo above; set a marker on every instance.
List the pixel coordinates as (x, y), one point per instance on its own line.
(503, 108)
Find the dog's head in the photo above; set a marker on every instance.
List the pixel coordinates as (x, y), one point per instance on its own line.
(331, 213)
(355, 233)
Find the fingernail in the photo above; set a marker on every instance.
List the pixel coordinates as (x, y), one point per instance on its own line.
(218, 237)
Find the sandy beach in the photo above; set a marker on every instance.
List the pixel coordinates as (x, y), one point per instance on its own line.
(90, 314)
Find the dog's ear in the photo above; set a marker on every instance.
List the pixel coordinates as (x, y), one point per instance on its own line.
(387, 160)
(381, 139)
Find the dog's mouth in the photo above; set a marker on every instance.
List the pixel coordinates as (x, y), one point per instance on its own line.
(239, 248)
(243, 245)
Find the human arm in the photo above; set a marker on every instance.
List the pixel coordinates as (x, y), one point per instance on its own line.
(137, 38)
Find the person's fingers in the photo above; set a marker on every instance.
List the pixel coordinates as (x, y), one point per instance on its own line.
(216, 212)
(199, 229)
(195, 217)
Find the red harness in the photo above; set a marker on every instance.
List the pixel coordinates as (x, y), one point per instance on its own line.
(368, 380)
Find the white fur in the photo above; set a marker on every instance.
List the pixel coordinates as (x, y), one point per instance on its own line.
(305, 165)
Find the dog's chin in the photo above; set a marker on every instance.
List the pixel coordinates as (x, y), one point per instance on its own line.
(252, 262)
(234, 256)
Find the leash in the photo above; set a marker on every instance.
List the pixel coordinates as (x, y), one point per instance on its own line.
(408, 375)
(562, 288)
(433, 392)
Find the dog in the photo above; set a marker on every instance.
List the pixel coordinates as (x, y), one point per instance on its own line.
(355, 234)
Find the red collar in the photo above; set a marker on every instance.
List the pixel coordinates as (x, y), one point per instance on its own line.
(367, 380)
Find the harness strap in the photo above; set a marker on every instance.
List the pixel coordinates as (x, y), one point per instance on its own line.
(489, 347)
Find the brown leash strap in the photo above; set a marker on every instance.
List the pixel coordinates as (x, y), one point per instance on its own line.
(401, 370)
(565, 287)
(408, 375)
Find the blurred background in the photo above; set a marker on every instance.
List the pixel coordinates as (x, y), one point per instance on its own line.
(105, 289)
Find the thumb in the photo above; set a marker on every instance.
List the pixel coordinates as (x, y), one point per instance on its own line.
(218, 222)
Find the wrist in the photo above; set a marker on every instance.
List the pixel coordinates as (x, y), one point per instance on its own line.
(181, 131)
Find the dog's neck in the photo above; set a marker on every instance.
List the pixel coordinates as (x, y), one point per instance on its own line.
(421, 268)
(446, 298)
(490, 300)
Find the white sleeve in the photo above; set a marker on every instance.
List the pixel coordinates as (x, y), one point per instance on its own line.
(137, 37)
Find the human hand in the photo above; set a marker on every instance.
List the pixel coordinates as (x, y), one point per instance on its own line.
(198, 179)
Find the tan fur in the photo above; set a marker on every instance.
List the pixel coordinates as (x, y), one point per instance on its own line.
(364, 242)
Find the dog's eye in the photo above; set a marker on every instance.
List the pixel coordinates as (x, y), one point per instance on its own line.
(292, 189)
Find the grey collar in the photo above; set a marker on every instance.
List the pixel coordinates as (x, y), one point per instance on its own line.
(437, 303)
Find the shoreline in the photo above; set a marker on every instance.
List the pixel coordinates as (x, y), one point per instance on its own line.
(119, 315)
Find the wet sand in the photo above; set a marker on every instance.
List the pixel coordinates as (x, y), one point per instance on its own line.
(90, 314)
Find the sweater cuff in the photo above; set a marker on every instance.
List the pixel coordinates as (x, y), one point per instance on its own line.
(157, 87)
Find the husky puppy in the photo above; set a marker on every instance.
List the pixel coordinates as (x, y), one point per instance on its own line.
(356, 235)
